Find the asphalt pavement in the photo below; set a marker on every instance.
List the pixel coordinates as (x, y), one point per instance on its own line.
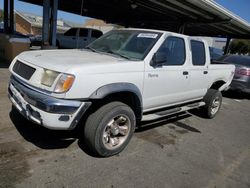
(184, 151)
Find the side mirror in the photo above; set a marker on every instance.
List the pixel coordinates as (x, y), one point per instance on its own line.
(158, 59)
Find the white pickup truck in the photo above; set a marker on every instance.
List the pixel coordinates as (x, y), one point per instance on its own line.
(122, 78)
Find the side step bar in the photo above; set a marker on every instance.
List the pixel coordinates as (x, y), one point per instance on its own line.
(171, 111)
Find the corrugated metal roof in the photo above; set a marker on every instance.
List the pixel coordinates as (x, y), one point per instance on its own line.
(192, 17)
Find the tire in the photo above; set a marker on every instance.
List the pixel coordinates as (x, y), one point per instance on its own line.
(105, 129)
(213, 100)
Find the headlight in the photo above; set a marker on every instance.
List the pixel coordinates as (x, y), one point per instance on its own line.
(64, 83)
(49, 77)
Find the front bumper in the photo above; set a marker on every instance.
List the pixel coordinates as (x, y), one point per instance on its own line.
(43, 109)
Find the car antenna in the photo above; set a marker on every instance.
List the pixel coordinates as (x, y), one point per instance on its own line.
(78, 33)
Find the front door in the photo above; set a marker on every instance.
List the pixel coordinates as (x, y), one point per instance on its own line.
(83, 39)
(167, 83)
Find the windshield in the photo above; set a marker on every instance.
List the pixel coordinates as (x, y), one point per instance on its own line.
(129, 44)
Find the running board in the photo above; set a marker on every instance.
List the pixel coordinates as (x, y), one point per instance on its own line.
(171, 111)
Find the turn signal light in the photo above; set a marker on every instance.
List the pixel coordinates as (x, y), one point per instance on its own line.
(64, 83)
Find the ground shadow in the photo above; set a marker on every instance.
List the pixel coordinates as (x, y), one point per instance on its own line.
(235, 95)
(174, 119)
(4, 64)
(54, 139)
(40, 136)
(45, 138)
(86, 149)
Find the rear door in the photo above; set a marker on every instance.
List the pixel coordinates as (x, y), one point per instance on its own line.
(199, 72)
(84, 36)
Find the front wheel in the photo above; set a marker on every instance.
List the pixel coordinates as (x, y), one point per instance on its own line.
(109, 129)
(213, 100)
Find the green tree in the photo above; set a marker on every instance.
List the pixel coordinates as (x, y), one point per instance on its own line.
(239, 46)
(1, 15)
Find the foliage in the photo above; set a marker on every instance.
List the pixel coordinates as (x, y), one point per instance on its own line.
(239, 46)
(1, 15)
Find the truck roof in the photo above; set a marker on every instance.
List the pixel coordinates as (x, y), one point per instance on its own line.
(152, 30)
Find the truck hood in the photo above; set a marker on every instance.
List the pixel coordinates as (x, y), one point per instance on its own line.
(64, 60)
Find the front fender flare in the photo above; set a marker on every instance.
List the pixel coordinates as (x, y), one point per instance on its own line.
(113, 88)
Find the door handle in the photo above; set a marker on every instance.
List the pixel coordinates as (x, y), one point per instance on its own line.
(73, 38)
(185, 73)
(205, 72)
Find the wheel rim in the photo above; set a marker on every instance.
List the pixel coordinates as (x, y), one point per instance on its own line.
(215, 105)
(116, 132)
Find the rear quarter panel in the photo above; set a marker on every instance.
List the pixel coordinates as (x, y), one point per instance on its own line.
(221, 72)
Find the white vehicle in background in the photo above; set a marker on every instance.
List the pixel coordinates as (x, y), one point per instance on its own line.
(124, 77)
(77, 37)
(1, 25)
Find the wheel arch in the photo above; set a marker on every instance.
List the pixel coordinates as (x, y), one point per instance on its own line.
(218, 85)
(127, 93)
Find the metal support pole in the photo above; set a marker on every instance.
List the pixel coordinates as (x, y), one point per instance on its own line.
(6, 16)
(46, 24)
(227, 46)
(53, 24)
(182, 28)
(11, 20)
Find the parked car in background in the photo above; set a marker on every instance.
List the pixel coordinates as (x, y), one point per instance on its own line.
(215, 53)
(35, 40)
(77, 37)
(1, 25)
(241, 80)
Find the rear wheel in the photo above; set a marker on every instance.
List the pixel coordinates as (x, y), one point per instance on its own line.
(213, 100)
(109, 129)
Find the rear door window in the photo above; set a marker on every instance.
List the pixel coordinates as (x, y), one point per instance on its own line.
(83, 33)
(198, 53)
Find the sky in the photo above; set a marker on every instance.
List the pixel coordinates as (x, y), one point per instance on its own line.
(238, 7)
(37, 10)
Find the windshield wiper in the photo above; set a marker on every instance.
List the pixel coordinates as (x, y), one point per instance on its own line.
(121, 55)
(92, 49)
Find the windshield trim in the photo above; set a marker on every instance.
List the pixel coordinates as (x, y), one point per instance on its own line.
(135, 32)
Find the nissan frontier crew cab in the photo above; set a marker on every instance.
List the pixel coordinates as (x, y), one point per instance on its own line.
(124, 77)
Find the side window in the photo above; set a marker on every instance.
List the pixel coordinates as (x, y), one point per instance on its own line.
(83, 33)
(174, 50)
(70, 32)
(198, 53)
(96, 34)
